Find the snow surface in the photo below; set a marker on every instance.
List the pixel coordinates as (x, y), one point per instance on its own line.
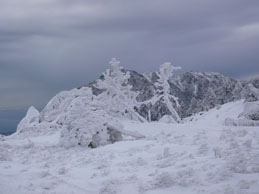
(233, 113)
(199, 156)
(217, 115)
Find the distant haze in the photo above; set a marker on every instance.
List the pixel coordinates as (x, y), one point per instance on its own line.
(51, 45)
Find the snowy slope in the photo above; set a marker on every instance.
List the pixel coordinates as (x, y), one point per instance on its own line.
(233, 113)
(172, 158)
(217, 116)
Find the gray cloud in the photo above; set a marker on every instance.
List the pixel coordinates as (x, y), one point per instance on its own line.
(51, 45)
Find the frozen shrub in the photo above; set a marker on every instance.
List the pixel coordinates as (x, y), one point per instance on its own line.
(164, 75)
(92, 131)
(251, 93)
(118, 97)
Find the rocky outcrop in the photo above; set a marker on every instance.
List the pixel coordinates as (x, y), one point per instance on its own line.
(202, 91)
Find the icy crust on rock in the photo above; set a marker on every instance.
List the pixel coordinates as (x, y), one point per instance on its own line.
(93, 129)
(199, 92)
(29, 121)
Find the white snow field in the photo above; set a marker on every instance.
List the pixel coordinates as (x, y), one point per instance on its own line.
(200, 156)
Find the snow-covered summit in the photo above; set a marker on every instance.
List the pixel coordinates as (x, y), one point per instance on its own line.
(121, 94)
(207, 153)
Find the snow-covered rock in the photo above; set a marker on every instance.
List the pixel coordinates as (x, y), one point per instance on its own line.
(93, 130)
(202, 91)
(29, 121)
(251, 110)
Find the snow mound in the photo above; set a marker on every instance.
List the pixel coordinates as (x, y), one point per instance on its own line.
(217, 115)
(92, 131)
(238, 113)
(167, 119)
(29, 121)
(251, 110)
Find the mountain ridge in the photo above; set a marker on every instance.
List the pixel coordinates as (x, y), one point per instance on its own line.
(124, 94)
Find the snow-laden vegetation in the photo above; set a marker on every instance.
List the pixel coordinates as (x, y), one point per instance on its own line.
(83, 118)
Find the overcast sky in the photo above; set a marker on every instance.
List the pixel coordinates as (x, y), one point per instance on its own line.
(50, 45)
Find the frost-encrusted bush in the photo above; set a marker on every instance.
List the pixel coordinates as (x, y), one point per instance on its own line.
(118, 98)
(82, 133)
(63, 102)
(92, 131)
(172, 102)
(251, 93)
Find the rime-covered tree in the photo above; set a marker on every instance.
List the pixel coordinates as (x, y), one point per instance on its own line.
(165, 73)
(251, 93)
(118, 97)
